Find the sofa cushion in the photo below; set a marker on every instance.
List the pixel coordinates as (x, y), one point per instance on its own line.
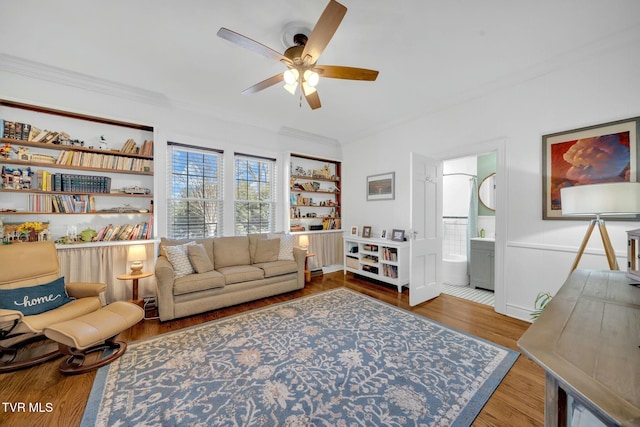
(231, 251)
(241, 273)
(287, 242)
(177, 256)
(277, 268)
(253, 243)
(37, 299)
(207, 243)
(198, 282)
(266, 250)
(199, 258)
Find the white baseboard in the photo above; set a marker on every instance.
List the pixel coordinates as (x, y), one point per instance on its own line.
(332, 268)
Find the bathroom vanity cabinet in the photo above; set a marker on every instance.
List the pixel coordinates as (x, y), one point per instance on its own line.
(482, 266)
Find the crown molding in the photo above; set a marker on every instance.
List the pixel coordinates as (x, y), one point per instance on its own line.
(61, 76)
(300, 134)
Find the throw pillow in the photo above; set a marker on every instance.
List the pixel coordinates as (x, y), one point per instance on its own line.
(179, 259)
(267, 250)
(32, 300)
(199, 258)
(287, 242)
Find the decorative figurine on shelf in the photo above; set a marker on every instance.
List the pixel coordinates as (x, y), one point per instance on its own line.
(25, 179)
(5, 151)
(103, 143)
(24, 154)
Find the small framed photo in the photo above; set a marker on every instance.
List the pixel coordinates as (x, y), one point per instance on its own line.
(383, 234)
(366, 231)
(397, 235)
(354, 231)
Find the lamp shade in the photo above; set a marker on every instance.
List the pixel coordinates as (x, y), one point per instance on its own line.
(137, 253)
(304, 241)
(612, 198)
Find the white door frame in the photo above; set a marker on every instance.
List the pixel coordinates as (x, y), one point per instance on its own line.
(499, 146)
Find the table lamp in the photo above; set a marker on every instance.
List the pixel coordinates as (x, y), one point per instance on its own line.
(608, 199)
(137, 254)
(304, 242)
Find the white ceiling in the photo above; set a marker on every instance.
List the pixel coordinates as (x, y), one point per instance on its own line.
(430, 53)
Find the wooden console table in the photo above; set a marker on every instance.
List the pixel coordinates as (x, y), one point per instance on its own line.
(587, 341)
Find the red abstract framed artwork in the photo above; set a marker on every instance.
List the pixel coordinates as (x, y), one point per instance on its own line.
(589, 155)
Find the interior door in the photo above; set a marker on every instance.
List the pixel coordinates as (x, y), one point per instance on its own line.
(426, 231)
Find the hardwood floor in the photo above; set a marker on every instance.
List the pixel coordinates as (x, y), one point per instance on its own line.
(518, 401)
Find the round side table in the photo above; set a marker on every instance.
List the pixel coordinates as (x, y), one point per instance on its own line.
(135, 277)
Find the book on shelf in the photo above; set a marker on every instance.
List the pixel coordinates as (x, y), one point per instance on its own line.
(140, 231)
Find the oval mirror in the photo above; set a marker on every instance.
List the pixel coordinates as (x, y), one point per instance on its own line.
(487, 192)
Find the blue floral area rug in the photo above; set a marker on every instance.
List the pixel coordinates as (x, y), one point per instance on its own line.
(337, 358)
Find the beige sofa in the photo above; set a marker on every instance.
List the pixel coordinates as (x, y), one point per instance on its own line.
(225, 271)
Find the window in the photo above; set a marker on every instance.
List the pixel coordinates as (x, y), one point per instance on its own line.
(195, 199)
(255, 199)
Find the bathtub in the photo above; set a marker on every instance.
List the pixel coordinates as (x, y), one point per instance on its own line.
(454, 270)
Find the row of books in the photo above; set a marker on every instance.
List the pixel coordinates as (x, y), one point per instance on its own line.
(389, 254)
(71, 183)
(390, 271)
(17, 130)
(103, 161)
(65, 203)
(141, 231)
(131, 147)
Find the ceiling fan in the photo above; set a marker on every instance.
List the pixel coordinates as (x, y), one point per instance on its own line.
(301, 59)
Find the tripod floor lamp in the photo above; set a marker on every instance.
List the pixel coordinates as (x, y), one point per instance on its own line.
(609, 199)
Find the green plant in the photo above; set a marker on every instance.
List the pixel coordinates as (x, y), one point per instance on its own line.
(539, 304)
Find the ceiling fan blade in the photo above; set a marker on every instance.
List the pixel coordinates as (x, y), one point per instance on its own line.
(251, 44)
(324, 30)
(274, 80)
(312, 98)
(349, 73)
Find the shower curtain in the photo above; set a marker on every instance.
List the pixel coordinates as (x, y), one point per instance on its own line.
(472, 223)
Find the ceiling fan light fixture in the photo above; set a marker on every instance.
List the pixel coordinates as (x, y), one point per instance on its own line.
(312, 78)
(308, 89)
(291, 76)
(291, 88)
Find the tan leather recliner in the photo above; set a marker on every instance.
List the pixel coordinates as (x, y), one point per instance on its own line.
(31, 264)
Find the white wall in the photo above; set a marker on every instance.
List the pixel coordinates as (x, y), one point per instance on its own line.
(591, 89)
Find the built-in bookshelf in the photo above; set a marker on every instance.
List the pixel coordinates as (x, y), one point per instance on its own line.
(75, 171)
(379, 259)
(314, 194)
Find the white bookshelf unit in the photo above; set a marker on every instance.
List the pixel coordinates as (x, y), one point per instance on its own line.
(378, 259)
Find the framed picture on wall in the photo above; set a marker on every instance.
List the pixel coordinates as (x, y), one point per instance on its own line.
(381, 187)
(590, 155)
(383, 234)
(366, 231)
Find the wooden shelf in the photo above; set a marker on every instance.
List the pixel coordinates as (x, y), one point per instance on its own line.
(314, 217)
(308, 192)
(310, 178)
(80, 168)
(87, 193)
(318, 191)
(314, 206)
(73, 213)
(60, 147)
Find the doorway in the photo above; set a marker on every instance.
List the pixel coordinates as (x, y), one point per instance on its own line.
(495, 225)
